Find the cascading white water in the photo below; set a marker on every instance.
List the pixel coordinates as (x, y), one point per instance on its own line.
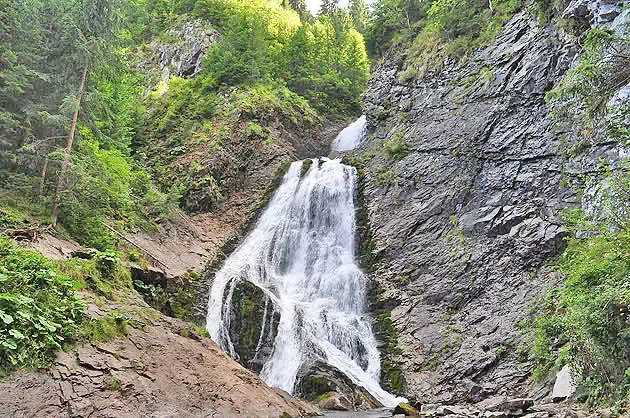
(301, 254)
(351, 136)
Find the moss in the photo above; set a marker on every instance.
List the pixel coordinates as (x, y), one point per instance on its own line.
(106, 328)
(323, 397)
(194, 332)
(306, 165)
(183, 296)
(406, 409)
(392, 377)
(396, 148)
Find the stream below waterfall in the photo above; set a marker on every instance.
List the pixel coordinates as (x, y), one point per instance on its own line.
(301, 255)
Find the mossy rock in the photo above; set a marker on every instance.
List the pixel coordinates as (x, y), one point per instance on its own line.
(406, 409)
(250, 309)
(329, 388)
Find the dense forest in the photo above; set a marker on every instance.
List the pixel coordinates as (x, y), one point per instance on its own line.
(95, 142)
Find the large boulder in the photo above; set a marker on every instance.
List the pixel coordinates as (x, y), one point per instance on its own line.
(253, 325)
(329, 388)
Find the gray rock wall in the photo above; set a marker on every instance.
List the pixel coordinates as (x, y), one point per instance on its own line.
(464, 223)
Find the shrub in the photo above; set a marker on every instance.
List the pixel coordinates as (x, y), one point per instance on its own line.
(107, 327)
(39, 312)
(586, 322)
(396, 148)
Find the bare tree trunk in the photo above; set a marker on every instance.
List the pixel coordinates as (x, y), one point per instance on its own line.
(43, 179)
(68, 149)
(491, 8)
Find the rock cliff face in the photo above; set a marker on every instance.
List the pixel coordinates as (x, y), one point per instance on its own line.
(464, 218)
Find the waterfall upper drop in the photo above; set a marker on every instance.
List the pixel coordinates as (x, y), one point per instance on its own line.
(301, 255)
(351, 136)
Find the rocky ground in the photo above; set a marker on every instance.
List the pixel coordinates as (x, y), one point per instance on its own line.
(160, 367)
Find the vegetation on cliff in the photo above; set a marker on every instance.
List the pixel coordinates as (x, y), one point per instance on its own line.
(78, 141)
(585, 323)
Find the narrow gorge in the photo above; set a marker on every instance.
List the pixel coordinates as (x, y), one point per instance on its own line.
(361, 208)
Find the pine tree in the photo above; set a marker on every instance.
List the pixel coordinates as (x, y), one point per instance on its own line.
(359, 13)
(328, 6)
(300, 7)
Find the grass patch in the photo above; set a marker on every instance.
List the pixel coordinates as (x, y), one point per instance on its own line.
(107, 328)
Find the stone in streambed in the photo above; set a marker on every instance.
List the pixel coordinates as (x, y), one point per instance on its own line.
(334, 401)
(249, 310)
(318, 381)
(406, 409)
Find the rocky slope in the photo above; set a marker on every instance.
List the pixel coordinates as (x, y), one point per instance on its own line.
(160, 367)
(464, 218)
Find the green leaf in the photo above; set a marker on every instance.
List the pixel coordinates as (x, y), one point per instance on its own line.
(6, 318)
(17, 334)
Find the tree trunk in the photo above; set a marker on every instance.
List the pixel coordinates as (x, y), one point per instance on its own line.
(42, 181)
(68, 149)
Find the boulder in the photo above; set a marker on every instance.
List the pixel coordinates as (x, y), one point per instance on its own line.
(406, 409)
(334, 401)
(563, 387)
(253, 325)
(432, 410)
(516, 407)
(316, 381)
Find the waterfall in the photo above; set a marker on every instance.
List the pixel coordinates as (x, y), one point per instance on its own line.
(351, 136)
(301, 253)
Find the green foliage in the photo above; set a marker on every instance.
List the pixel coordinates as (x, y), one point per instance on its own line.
(106, 328)
(396, 148)
(586, 323)
(438, 28)
(392, 20)
(103, 274)
(582, 95)
(37, 100)
(324, 60)
(39, 312)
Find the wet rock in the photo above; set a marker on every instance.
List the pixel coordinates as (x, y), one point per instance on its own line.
(253, 325)
(406, 409)
(563, 387)
(334, 401)
(317, 380)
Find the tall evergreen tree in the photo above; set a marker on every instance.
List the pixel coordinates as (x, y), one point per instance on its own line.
(359, 13)
(328, 6)
(300, 7)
